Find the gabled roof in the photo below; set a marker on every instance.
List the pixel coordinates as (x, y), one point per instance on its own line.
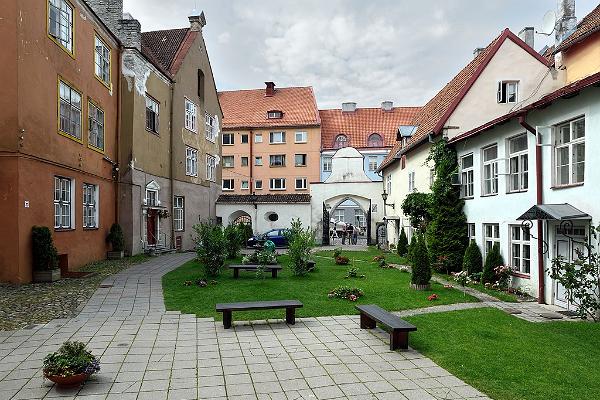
(264, 198)
(248, 108)
(358, 125)
(167, 48)
(586, 27)
(432, 117)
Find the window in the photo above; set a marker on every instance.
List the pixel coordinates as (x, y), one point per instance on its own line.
(201, 85)
(273, 217)
(431, 177)
(277, 183)
(258, 138)
(152, 198)
(70, 111)
(227, 161)
(300, 160)
(466, 176)
(191, 161)
(151, 114)
(228, 139)
(411, 181)
(373, 163)
(301, 184)
(95, 126)
(301, 137)
(326, 164)
(490, 170)
(274, 114)
(508, 91)
(491, 235)
(90, 206)
(519, 249)
(258, 184)
(375, 140)
(276, 137)
(190, 116)
(340, 141)
(389, 183)
(471, 232)
(277, 160)
(569, 152)
(211, 165)
(62, 203)
(244, 185)
(228, 184)
(359, 217)
(518, 164)
(244, 138)
(340, 215)
(101, 61)
(244, 161)
(60, 23)
(209, 126)
(258, 161)
(179, 213)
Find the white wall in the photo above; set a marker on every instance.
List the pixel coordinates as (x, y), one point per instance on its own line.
(260, 222)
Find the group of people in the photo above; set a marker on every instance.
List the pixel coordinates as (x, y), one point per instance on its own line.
(347, 232)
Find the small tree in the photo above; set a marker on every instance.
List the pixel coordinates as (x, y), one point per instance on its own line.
(300, 243)
(116, 238)
(233, 237)
(417, 205)
(411, 248)
(492, 260)
(211, 248)
(472, 261)
(45, 256)
(402, 243)
(421, 269)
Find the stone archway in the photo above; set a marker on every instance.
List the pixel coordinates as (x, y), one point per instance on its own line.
(240, 217)
(348, 214)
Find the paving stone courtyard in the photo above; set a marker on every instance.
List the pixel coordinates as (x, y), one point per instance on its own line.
(149, 353)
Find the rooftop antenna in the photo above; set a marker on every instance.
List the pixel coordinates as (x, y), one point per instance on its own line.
(548, 23)
(195, 9)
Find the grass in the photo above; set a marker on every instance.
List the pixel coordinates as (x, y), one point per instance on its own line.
(389, 288)
(509, 358)
(500, 295)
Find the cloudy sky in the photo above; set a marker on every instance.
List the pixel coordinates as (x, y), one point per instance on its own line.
(348, 50)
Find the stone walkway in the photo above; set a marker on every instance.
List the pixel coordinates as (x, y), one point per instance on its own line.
(149, 353)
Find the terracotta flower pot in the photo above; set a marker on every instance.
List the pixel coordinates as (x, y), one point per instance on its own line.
(68, 381)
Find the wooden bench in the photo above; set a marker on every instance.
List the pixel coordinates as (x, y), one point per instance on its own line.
(289, 305)
(254, 267)
(371, 314)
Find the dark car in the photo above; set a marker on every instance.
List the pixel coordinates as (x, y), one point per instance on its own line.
(276, 236)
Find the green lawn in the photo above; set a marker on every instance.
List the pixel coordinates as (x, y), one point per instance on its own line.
(509, 358)
(389, 288)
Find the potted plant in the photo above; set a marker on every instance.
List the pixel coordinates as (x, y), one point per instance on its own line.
(117, 242)
(71, 365)
(45, 256)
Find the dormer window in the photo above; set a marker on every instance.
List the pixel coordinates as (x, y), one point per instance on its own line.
(274, 114)
(340, 141)
(375, 140)
(508, 91)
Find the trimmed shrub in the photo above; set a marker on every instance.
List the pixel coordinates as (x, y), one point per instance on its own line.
(402, 243)
(211, 248)
(233, 237)
(411, 247)
(116, 238)
(421, 270)
(472, 261)
(300, 243)
(45, 256)
(492, 260)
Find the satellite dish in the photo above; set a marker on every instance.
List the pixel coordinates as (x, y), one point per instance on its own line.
(548, 23)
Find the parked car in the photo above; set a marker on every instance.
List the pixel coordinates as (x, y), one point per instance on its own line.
(276, 236)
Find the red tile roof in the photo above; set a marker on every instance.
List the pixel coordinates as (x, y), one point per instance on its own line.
(360, 124)
(432, 117)
(248, 108)
(163, 45)
(264, 198)
(586, 27)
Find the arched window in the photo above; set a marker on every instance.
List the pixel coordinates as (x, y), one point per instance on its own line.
(375, 140)
(340, 141)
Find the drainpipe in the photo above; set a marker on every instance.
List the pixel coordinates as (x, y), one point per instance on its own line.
(117, 154)
(171, 180)
(251, 161)
(540, 199)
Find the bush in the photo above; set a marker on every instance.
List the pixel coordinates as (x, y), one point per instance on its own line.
(417, 206)
(411, 247)
(402, 243)
(233, 237)
(245, 233)
(492, 260)
(300, 242)
(346, 292)
(353, 272)
(72, 358)
(262, 257)
(337, 252)
(472, 261)
(341, 260)
(45, 256)
(421, 270)
(211, 248)
(116, 238)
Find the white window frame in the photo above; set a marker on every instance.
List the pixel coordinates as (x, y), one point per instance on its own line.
(303, 183)
(274, 114)
(227, 164)
(273, 185)
(258, 138)
(304, 158)
(373, 163)
(179, 213)
(152, 199)
(490, 166)
(569, 146)
(520, 242)
(273, 160)
(339, 215)
(95, 126)
(228, 135)
(471, 232)
(211, 168)
(230, 186)
(191, 115)
(191, 161)
(518, 166)
(327, 164)
(209, 127)
(258, 184)
(244, 135)
(340, 142)
(303, 137)
(389, 184)
(245, 185)
(64, 212)
(467, 181)
(279, 134)
(70, 106)
(90, 206)
(508, 92)
(102, 59)
(411, 181)
(60, 24)
(491, 235)
(258, 161)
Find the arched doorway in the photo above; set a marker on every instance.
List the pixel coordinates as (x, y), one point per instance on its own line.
(240, 217)
(348, 224)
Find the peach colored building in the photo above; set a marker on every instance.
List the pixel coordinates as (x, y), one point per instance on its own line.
(271, 140)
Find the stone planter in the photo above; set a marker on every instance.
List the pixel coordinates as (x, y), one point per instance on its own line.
(420, 287)
(46, 276)
(115, 255)
(67, 381)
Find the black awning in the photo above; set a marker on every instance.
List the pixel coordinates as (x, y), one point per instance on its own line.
(557, 212)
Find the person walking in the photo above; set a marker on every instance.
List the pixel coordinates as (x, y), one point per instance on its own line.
(355, 235)
(350, 232)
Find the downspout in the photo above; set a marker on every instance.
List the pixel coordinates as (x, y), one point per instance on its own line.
(540, 199)
(117, 149)
(171, 180)
(251, 160)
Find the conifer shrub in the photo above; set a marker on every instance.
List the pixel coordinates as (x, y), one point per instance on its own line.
(116, 238)
(472, 261)
(45, 256)
(492, 260)
(402, 243)
(421, 269)
(411, 248)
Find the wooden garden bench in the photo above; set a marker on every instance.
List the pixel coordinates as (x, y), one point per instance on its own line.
(289, 305)
(253, 267)
(398, 328)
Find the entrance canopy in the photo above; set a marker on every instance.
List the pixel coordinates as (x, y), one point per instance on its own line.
(558, 212)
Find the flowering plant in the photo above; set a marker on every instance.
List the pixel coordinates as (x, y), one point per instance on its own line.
(503, 276)
(72, 358)
(346, 292)
(433, 297)
(404, 268)
(353, 272)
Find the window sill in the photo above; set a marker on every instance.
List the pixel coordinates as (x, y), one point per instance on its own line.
(517, 191)
(195, 132)
(69, 136)
(228, 144)
(152, 132)
(91, 229)
(64, 229)
(489, 195)
(104, 83)
(468, 198)
(301, 166)
(277, 190)
(192, 176)
(521, 275)
(300, 142)
(179, 230)
(276, 166)
(96, 149)
(227, 190)
(566, 186)
(277, 143)
(301, 189)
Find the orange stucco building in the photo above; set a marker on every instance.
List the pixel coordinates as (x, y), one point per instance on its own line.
(58, 132)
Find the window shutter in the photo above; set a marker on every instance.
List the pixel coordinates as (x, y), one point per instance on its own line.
(499, 92)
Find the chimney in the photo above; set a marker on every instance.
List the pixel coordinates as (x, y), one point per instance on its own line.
(197, 22)
(527, 36)
(387, 105)
(270, 90)
(109, 11)
(348, 107)
(130, 33)
(566, 21)
(477, 51)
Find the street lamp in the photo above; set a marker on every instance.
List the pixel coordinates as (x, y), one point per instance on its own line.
(384, 196)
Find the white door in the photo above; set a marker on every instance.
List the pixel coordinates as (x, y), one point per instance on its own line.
(568, 248)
